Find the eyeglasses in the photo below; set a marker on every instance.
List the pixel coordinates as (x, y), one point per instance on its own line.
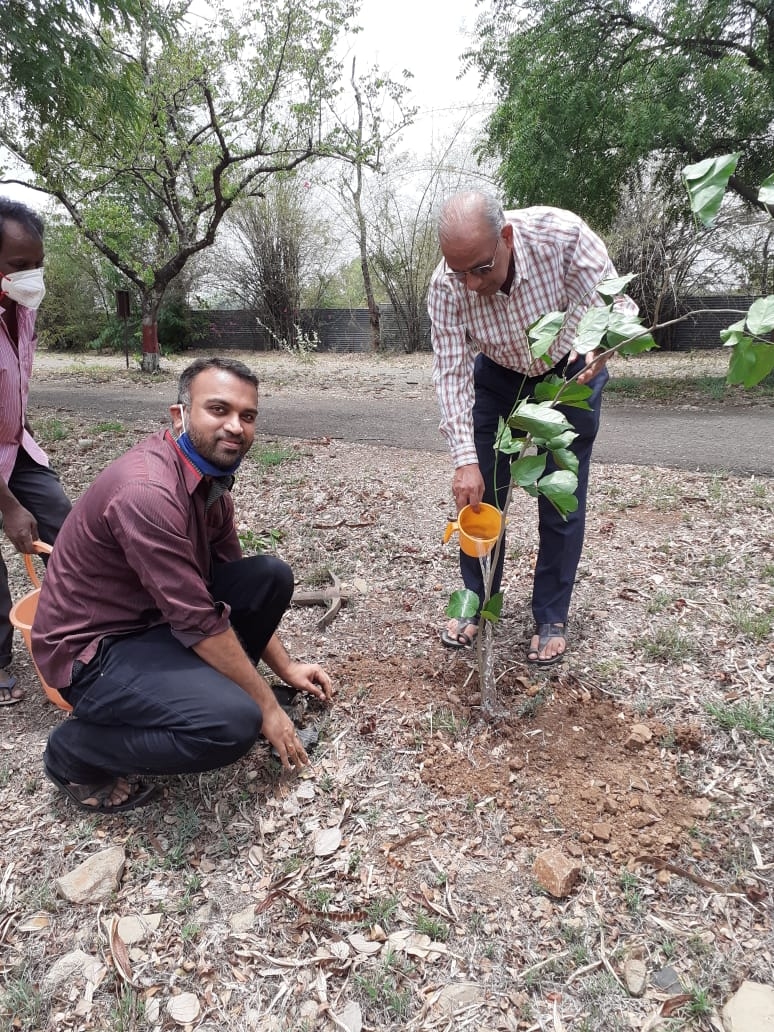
(477, 270)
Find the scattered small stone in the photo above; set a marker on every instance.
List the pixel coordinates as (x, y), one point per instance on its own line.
(137, 927)
(639, 736)
(602, 831)
(635, 975)
(556, 873)
(96, 879)
(72, 965)
(243, 920)
(668, 980)
(455, 997)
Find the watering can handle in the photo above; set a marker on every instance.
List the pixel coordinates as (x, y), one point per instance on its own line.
(451, 527)
(40, 547)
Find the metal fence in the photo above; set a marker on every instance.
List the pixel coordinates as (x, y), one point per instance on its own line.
(348, 329)
(337, 329)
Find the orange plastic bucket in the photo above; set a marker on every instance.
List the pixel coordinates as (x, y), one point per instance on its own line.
(23, 613)
(478, 531)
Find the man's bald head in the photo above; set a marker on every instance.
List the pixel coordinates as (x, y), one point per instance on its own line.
(468, 210)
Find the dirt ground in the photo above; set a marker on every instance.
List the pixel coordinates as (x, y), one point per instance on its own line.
(638, 759)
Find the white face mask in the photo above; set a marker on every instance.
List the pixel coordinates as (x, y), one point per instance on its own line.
(25, 288)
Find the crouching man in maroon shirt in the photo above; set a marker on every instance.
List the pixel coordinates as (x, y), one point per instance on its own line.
(150, 621)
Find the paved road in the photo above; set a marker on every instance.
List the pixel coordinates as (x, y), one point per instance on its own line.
(737, 440)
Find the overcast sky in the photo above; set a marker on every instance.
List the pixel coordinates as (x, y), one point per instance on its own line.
(427, 39)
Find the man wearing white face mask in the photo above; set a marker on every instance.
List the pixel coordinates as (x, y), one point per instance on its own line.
(32, 502)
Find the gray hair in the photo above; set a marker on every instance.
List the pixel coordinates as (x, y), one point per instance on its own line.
(458, 211)
(228, 365)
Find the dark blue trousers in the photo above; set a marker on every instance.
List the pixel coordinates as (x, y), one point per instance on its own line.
(560, 541)
(148, 705)
(38, 489)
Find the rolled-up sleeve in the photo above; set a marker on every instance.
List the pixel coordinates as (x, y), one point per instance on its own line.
(452, 367)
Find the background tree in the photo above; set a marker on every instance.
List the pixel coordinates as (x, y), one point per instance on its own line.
(52, 59)
(380, 115)
(223, 108)
(588, 90)
(263, 258)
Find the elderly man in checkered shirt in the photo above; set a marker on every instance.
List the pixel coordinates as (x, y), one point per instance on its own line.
(501, 271)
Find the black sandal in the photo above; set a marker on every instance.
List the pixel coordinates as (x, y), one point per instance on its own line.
(460, 640)
(545, 632)
(139, 793)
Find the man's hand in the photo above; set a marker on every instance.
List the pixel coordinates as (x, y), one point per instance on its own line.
(21, 527)
(595, 363)
(278, 730)
(311, 678)
(468, 486)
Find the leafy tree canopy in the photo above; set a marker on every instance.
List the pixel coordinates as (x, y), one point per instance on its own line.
(52, 58)
(221, 106)
(590, 90)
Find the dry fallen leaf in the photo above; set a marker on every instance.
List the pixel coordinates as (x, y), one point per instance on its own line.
(183, 1008)
(327, 841)
(120, 953)
(36, 923)
(360, 944)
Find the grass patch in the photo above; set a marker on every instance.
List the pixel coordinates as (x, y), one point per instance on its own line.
(111, 427)
(269, 455)
(692, 390)
(667, 644)
(755, 718)
(51, 429)
(755, 626)
(258, 544)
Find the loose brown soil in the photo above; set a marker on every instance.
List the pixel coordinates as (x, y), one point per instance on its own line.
(611, 757)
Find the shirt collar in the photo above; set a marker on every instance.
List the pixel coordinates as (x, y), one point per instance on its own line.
(519, 257)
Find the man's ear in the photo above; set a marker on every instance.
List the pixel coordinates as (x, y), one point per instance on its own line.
(178, 421)
(507, 234)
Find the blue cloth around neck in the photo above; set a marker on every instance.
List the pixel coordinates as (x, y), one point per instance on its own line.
(205, 468)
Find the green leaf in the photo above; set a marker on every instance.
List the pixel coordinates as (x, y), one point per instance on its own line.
(493, 607)
(572, 394)
(611, 288)
(566, 459)
(750, 363)
(766, 192)
(760, 318)
(628, 328)
(732, 334)
(505, 442)
(591, 329)
(706, 184)
(542, 334)
(462, 604)
(540, 420)
(528, 469)
(559, 488)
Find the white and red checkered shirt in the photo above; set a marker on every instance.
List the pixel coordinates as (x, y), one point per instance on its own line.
(558, 263)
(15, 373)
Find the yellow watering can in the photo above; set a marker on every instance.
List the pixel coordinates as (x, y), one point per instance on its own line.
(478, 531)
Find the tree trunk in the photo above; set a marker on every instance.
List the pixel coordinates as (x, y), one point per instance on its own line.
(150, 335)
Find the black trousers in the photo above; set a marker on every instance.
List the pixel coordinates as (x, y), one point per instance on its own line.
(148, 705)
(560, 541)
(38, 489)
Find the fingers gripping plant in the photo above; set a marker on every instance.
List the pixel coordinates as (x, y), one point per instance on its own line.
(535, 428)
